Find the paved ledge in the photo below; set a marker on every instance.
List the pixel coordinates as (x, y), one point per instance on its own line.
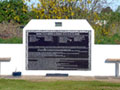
(113, 60)
(5, 59)
(72, 78)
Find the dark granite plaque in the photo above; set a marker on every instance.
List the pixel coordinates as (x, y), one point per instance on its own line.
(58, 50)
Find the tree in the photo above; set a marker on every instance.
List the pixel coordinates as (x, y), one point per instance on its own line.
(106, 10)
(13, 10)
(118, 9)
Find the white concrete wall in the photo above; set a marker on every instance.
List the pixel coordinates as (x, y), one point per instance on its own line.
(99, 52)
(99, 67)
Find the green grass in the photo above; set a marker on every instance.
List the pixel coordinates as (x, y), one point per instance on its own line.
(115, 39)
(11, 40)
(7, 84)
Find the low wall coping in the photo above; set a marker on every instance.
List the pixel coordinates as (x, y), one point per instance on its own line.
(114, 60)
(4, 59)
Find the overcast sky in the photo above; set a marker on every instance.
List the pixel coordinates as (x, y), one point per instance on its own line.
(114, 4)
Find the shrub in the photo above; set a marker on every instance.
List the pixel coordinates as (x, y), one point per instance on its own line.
(14, 10)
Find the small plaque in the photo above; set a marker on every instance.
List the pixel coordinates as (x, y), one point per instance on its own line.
(58, 24)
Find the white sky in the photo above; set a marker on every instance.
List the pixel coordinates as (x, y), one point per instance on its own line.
(114, 4)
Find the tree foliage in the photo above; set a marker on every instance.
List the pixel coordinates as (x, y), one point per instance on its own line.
(103, 24)
(118, 9)
(14, 10)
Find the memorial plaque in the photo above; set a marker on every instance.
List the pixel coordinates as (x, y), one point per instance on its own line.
(58, 50)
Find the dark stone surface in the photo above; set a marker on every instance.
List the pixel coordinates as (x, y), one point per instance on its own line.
(58, 50)
(56, 75)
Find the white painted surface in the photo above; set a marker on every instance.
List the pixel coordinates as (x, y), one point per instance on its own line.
(73, 24)
(98, 65)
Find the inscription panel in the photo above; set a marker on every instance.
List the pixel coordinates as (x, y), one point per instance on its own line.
(50, 50)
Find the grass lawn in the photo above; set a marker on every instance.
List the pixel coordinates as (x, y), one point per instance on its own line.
(11, 40)
(115, 39)
(101, 40)
(8, 84)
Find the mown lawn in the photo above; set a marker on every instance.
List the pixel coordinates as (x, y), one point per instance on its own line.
(14, 40)
(115, 39)
(8, 84)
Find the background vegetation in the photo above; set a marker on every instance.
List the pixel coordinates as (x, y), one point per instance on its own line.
(17, 13)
